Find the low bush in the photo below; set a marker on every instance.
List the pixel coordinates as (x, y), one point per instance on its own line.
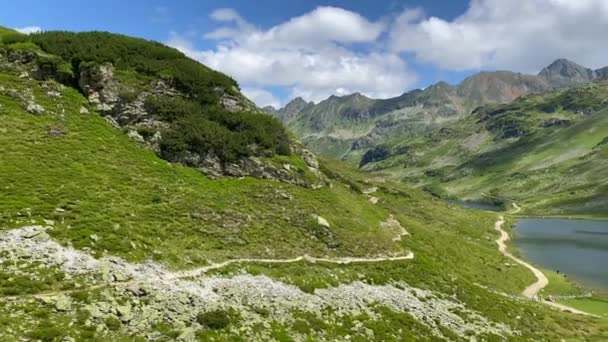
(217, 319)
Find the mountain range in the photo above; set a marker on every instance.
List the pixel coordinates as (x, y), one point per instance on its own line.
(342, 125)
(514, 135)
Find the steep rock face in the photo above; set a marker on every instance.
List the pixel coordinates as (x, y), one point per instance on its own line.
(564, 74)
(97, 83)
(499, 87)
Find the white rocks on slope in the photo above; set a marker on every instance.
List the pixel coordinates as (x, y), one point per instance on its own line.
(178, 300)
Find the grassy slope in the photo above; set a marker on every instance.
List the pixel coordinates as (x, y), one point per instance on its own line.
(123, 193)
(140, 207)
(4, 30)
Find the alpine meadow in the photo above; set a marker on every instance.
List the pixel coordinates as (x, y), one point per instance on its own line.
(306, 171)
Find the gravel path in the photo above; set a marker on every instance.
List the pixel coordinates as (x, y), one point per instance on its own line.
(531, 292)
(541, 280)
(342, 261)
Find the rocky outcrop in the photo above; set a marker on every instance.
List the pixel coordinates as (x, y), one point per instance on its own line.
(124, 106)
(97, 82)
(234, 103)
(211, 165)
(130, 112)
(26, 99)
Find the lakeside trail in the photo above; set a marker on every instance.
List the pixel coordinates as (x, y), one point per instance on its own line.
(531, 292)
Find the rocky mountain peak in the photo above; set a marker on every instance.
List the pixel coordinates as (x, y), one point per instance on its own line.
(269, 109)
(563, 73)
(298, 101)
(291, 109)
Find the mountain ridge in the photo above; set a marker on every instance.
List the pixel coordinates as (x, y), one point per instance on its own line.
(342, 124)
(556, 68)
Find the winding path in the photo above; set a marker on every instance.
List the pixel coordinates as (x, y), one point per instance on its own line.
(531, 292)
(342, 261)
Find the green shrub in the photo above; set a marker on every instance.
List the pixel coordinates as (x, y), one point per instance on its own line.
(147, 57)
(217, 319)
(146, 132)
(46, 331)
(14, 38)
(128, 95)
(199, 123)
(112, 323)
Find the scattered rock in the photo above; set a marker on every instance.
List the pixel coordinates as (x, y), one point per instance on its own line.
(63, 303)
(53, 93)
(170, 299)
(133, 135)
(124, 312)
(395, 227)
(111, 121)
(56, 131)
(322, 222)
(34, 108)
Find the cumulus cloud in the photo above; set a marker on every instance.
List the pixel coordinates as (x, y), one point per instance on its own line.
(262, 97)
(28, 29)
(517, 35)
(311, 55)
(331, 50)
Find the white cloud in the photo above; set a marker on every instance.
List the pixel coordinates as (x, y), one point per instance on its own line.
(262, 97)
(28, 29)
(519, 35)
(310, 55)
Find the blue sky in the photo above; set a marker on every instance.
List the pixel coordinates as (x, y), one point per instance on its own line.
(281, 49)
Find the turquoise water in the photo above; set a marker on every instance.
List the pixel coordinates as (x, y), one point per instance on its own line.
(577, 248)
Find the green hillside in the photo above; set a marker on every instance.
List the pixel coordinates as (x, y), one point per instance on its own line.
(548, 144)
(125, 229)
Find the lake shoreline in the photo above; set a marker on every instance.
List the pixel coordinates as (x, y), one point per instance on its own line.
(554, 243)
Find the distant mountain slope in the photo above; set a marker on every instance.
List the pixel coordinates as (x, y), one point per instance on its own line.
(565, 74)
(547, 151)
(450, 137)
(344, 125)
